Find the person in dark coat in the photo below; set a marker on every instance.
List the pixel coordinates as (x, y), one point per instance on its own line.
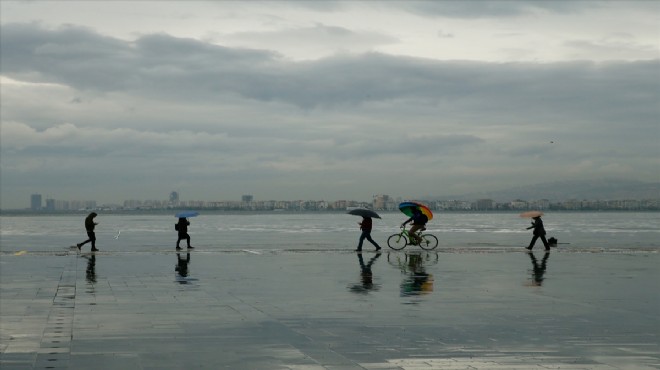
(539, 232)
(89, 226)
(182, 228)
(366, 226)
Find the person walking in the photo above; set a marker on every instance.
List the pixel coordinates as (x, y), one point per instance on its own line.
(89, 226)
(539, 232)
(366, 226)
(419, 221)
(182, 228)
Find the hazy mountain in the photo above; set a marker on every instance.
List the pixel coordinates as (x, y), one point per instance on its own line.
(607, 189)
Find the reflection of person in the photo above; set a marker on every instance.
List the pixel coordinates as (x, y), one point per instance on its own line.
(366, 226)
(89, 226)
(419, 220)
(539, 232)
(538, 270)
(90, 274)
(182, 265)
(366, 276)
(182, 228)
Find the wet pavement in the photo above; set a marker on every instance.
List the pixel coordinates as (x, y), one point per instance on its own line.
(333, 310)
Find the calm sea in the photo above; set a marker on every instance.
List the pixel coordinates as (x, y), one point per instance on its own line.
(576, 232)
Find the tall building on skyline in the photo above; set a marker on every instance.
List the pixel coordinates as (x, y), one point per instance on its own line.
(174, 198)
(35, 202)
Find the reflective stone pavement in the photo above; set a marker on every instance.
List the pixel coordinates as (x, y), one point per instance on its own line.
(334, 310)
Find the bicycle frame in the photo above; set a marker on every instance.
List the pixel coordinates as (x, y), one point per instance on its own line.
(401, 240)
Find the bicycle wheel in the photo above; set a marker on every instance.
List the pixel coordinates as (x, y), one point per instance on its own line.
(397, 242)
(428, 242)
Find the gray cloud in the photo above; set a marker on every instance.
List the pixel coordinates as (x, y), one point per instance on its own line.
(169, 67)
(146, 116)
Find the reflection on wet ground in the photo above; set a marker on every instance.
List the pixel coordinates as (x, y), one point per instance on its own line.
(538, 269)
(413, 266)
(366, 275)
(329, 310)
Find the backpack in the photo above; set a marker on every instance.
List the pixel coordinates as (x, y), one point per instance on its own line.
(176, 227)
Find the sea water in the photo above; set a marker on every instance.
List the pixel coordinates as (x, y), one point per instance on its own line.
(324, 231)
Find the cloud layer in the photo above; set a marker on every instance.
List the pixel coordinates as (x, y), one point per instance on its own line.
(87, 115)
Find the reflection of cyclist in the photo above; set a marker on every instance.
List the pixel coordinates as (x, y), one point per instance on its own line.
(419, 220)
(419, 281)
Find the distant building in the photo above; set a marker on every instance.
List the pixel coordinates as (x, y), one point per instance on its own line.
(247, 198)
(174, 198)
(381, 201)
(484, 204)
(35, 202)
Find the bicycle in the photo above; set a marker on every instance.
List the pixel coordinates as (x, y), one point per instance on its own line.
(402, 239)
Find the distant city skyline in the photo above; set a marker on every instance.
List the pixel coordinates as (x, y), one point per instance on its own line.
(378, 202)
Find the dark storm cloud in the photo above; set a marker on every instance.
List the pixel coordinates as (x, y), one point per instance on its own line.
(186, 69)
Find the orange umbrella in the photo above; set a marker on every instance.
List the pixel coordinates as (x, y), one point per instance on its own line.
(531, 214)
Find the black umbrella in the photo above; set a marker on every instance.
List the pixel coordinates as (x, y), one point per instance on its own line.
(363, 212)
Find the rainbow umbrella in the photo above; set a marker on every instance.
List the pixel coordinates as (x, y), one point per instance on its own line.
(408, 207)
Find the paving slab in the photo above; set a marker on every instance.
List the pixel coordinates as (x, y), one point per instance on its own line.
(330, 310)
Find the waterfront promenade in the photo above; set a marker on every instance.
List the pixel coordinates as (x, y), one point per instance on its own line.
(259, 309)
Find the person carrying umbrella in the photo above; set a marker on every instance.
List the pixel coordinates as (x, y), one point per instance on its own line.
(539, 232)
(366, 226)
(182, 228)
(419, 221)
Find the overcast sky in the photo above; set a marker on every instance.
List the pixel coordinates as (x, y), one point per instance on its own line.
(330, 100)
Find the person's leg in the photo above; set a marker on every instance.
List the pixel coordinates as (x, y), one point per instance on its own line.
(178, 241)
(531, 244)
(362, 237)
(545, 243)
(79, 245)
(413, 233)
(92, 237)
(372, 241)
(188, 240)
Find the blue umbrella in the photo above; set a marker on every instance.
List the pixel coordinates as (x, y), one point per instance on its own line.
(186, 214)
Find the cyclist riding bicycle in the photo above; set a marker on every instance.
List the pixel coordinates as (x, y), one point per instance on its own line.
(419, 221)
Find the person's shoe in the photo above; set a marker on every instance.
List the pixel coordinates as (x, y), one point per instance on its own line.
(378, 248)
(189, 247)
(78, 245)
(528, 248)
(358, 250)
(95, 249)
(547, 249)
(178, 248)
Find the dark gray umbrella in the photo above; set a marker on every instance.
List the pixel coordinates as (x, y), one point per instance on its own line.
(363, 212)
